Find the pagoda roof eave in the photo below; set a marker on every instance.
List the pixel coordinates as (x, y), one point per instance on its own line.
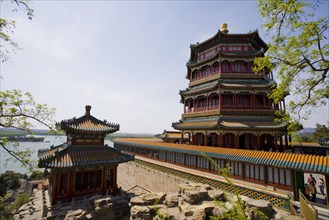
(221, 54)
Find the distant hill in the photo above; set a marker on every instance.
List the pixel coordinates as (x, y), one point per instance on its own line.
(6, 132)
(306, 130)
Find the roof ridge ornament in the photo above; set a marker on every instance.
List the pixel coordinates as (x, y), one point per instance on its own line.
(88, 108)
(223, 28)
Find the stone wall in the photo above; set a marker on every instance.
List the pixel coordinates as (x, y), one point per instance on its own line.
(131, 174)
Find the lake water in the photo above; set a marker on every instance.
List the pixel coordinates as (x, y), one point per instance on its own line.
(13, 165)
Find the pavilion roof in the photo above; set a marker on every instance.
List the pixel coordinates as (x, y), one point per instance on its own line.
(82, 156)
(309, 163)
(87, 124)
(226, 38)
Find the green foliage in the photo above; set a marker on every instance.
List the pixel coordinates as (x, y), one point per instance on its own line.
(321, 131)
(19, 110)
(299, 53)
(305, 137)
(20, 200)
(3, 186)
(157, 212)
(14, 184)
(238, 210)
(36, 175)
(5, 211)
(7, 29)
(11, 180)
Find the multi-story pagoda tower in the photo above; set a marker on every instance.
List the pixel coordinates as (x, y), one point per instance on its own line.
(83, 165)
(226, 104)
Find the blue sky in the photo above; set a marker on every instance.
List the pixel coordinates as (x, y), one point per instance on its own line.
(126, 59)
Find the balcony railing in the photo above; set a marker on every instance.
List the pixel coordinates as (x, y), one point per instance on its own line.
(198, 78)
(199, 109)
(213, 107)
(246, 107)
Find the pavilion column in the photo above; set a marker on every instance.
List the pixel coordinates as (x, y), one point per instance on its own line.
(104, 187)
(275, 143)
(55, 186)
(182, 137)
(236, 141)
(258, 141)
(71, 185)
(115, 185)
(281, 143)
(219, 100)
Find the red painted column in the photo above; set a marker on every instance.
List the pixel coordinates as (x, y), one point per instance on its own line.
(184, 107)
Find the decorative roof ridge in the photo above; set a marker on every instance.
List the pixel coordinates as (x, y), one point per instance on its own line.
(221, 33)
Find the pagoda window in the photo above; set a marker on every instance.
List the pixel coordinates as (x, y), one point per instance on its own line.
(228, 140)
(199, 139)
(227, 101)
(243, 100)
(225, 67)
(63, 184)
(213, 101)
(215, 67)
(201, 103)
(238, 67)
(205, 72)
(194, 75)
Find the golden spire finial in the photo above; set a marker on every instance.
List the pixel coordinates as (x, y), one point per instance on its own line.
(223, 28)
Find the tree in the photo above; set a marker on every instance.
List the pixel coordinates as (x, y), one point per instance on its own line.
(7, 28)
(18, 109)
(299, 52)
(321, 132)
(36, 175)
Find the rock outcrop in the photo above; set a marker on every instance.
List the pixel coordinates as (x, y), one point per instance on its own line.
(193, 201)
